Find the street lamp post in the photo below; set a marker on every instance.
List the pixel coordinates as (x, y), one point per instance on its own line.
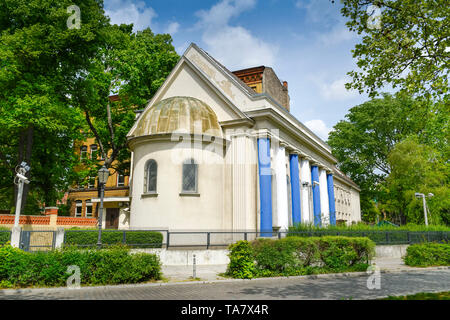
(421, 195)
(103, 174)
(20, 179)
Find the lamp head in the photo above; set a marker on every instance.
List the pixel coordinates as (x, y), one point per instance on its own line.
(103, 175)
(430, 195)
(418, 195)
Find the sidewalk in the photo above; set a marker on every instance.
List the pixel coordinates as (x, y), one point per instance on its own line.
(211, 272)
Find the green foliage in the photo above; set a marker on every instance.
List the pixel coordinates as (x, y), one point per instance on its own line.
(134, 239)
(241, 264)
(428, 254)
(299, 256)
(97, 267)
(408, 50)
(4, 236)
(393, 147)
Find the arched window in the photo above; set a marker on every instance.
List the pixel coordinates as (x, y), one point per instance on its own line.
(190, 176)
(151, 169)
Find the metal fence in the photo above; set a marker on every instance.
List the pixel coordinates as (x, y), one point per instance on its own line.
(37, 240)
(220, 239)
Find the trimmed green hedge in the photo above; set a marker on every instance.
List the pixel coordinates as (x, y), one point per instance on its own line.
(97, 267)
(134, 239)
(4, 236)
(298, 256)
(428, 254)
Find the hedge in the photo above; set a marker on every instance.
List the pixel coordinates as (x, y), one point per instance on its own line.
(298, 256)
(428, 254)
(135, 239)
(97, 267)
(5, 236)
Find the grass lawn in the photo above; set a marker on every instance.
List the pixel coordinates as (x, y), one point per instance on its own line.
(423, 296)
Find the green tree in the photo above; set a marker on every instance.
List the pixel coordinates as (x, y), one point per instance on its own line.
(132, 66)
(407, 49)
(417, 168)
(40, 57)
(364, 140)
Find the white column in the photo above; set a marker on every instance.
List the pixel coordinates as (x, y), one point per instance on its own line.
(305, 187)
(281, 189)
(324, 205)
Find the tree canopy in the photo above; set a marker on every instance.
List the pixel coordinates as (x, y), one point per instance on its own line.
(405, 44)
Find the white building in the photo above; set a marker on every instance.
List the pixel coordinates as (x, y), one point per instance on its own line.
(210, 153)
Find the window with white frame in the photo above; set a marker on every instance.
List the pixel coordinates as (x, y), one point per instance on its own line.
(78, 208)
(94, 152)
(83, 152)
(120, 180)
(88, 208)
(91, 182)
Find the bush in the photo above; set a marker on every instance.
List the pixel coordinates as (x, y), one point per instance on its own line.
(299, 256)
(135, 239)
(4, 236)
(241, 264)
(110, 266)
(428, 254)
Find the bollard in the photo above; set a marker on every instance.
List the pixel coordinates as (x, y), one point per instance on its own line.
(194, 273)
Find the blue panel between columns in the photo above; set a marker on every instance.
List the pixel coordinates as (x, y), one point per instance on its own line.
(330, 185)
(295, 189)
(316, 194)
(265, 186)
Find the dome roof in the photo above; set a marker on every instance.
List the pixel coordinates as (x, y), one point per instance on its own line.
(179, 114)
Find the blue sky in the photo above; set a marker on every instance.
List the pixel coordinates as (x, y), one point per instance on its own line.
(306, 42)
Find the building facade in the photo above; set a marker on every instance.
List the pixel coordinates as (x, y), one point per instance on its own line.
(216, 150)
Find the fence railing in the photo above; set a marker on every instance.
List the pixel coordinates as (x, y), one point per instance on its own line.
(215, 239)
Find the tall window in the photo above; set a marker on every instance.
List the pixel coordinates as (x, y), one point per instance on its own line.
(151, 169)
(94, 152)
(190, 176)
(88, 208)
(91, 182)
(83, 152)
(120, 180)
(78, 208)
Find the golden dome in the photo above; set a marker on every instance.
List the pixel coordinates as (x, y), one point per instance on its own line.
(179, 114)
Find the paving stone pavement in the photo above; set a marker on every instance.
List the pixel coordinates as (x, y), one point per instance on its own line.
(348, 286)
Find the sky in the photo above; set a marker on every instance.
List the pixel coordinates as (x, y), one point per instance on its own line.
(306, 42)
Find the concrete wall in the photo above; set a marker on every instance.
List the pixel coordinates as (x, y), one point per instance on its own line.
(214, 257)
(168, 208)
(185, 257)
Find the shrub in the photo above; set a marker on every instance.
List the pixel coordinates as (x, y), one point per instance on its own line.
(241, 264)
(4, 236)
(110, 266)
(428, 254)
(299, 256)
(135, 239)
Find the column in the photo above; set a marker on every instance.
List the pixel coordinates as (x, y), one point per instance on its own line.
(265, 186)
(316, 194)
(295, 189)
(305, 177)
(281, 188)
(331, 200)
(324, 205)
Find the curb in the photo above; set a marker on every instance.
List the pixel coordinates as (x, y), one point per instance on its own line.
(144, 285)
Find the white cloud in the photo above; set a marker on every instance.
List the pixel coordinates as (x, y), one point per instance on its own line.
(339, 33)
(336, 90)
(319, 128)
(128, 11)
(172, 28)
(233, 46)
